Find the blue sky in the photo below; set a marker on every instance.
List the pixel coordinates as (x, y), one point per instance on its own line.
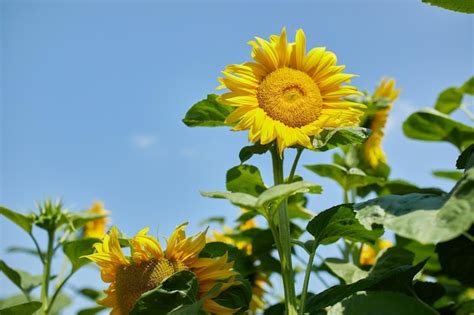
(92, 97)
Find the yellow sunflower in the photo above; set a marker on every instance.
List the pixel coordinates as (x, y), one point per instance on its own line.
(288, 95)
(149, 266)
(372, 148)
(96, 228)
(368, 254)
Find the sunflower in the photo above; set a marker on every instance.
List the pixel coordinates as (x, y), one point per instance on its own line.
(368, 254)
(96, 228)
(372, 148)
(149, 265)
(288, 95)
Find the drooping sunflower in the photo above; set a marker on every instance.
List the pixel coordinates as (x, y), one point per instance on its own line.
(368, 254)
(288, 95)
(149, 266)
(372, 148)
(96, 228)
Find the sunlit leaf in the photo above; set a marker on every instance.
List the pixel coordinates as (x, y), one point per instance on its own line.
(465, 6)
(245, 179)
(468, 87)
(449, 100)
(331, 138)
(27, 308)
(348, 272)
(75, 250)
(279, 192)
(22, 279)
(208, 113)
(452, 175)
(23, 221)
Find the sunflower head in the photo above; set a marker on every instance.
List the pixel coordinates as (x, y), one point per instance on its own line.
(96, 228)
(368, 254)
(149, 265)
(372, 148)
(287, 94)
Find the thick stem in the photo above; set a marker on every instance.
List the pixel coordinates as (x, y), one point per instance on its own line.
(47, 273)
(309, 269)
(285, 240)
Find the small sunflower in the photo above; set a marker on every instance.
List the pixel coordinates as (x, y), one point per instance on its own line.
(372, 148)
(96, 228)
(368, 254)
(149, 266)
(288, 95)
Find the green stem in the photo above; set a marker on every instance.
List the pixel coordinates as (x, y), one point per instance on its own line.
(346, 196)
(38, 249)
(285, 240)
(295, 163)
(47, 272)
(55, 295)
(309, 269)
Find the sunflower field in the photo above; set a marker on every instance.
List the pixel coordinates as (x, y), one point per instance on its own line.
(395, 247)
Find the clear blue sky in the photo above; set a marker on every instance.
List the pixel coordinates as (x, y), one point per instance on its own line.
(92, 97)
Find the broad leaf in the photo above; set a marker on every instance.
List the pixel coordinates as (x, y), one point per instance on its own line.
(239, 199)
(452, 175)
(431, 125)
(278, 193)
(331, 138)
(468, 87)
(77, 220)
(22, 309)
(340, 222)
(245, 179)
(208, 113)
(243, 263)
(465, 6)
(75, 250)
(348, 272)
(427, 218)
(236, 297)
(22, 279)
(247, 152)
(346, 178)
(449, 100)
(376, 303)
(466, 158)
(91, 311)
(23, 221)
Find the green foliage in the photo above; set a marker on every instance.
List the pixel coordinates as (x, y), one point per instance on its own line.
(466, 158)
(429, 219)
(431, 125)
(245, 179)
(373, 303)
(21, 309)
(465, 6)
(346, 178)
(208, 113)
(22, 279)
(449, 100)
(247, 152)
(75, 250)
(23, 221)
(468, 86)
(452, 175)
(331, 138)
(243, 263)
(236, 297)
(346, 271)
(340, 222)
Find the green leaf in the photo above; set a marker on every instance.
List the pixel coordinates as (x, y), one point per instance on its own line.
(464, 6)
(62, 301)
(449, 100)
(340, 222)
(239, 199)
(178, 290)
(421, 251)
(376, 303)
(280, 192)
(431, 125)
(245, 179)
(393, 271)
(23, 221)
(77, 220)
(466, 158)
(22, 279)
(346, 178)
(331, 138)
(457, 258)
(236, 297)
(75, 250)
(22, 309)
(429, 292)
(91, 293)
(401, 187)
(247, 152)
(23, 250)
(466, 308)
(297, 207)
(452, 175)
(91, 311)
(426, 218)
(348, 272)
(208, 113)
(243, 263)
(468, 87)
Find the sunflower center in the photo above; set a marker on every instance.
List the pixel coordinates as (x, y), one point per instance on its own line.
(132, 281)
(290, 96)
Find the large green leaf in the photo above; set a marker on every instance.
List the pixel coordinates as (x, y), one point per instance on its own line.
(23, 221)
(27, 308)
(22, 279)
(236, 297)
(62, 301)
(178, 290)
(421, 251)
(75, 250)
(247, 152)
(465, 6)
(331, 138)
(392, 272)
(427, 218)
(468, 86)
(377, 303)
(466, 158)
(348, 272)
(208, 113)
(449, 100)
(239, 199)
(245, 179)
(431, 125)
(340, 222)
(346, 178)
